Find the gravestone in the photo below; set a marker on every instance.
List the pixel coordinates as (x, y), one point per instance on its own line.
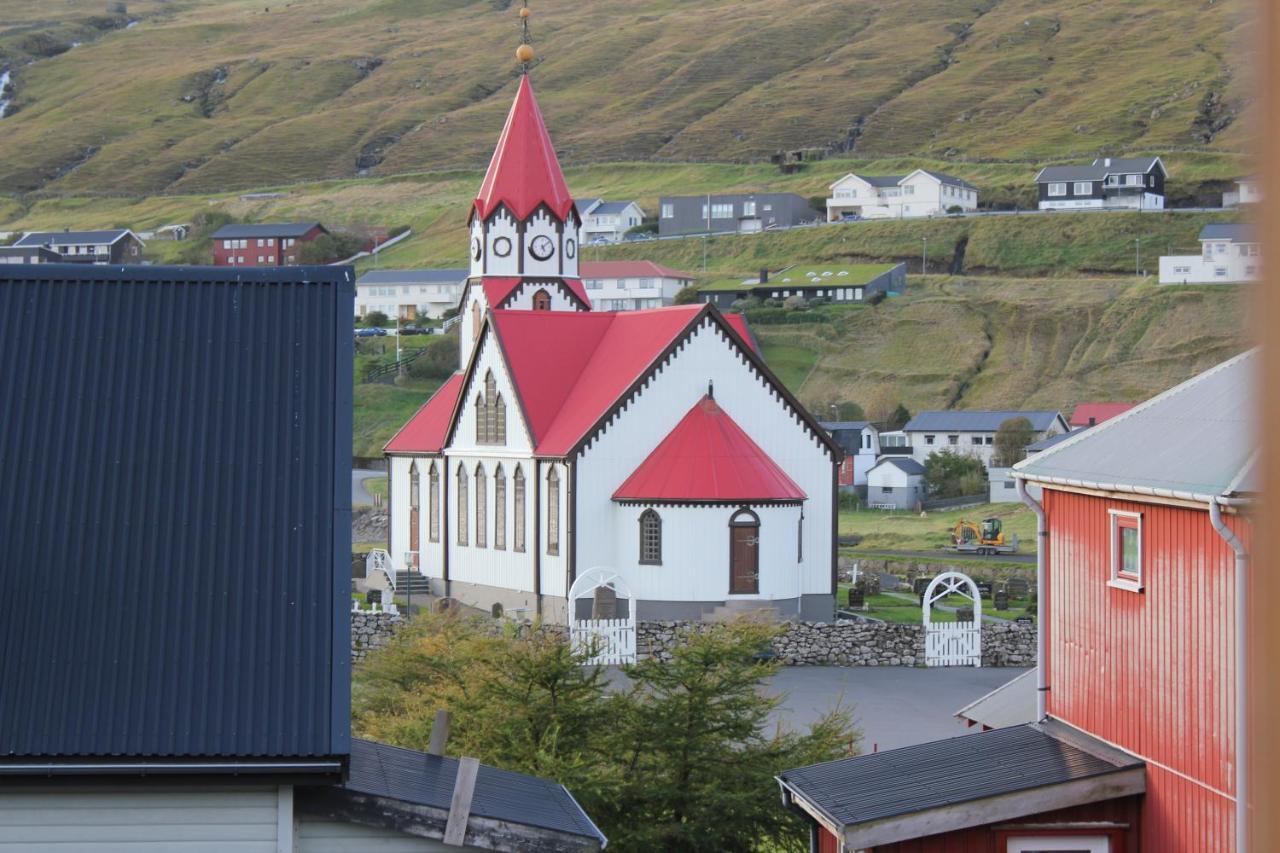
(964, 614)
(496, 611)
(872, 584)
(1017, 587)
(888, 581)
(857, 597)
(984, 588)
(373, 596)
(919, 585)
(605, 605)
(1002, 599)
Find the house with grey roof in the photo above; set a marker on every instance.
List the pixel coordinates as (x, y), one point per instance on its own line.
(973, 432)
(1248, 191)
(111, 246)
(607, 221)
(1108, 183)
(729, 213)
(272, 244)
(895, 482)
(1230, 253)
(921, 193)
(409, 294)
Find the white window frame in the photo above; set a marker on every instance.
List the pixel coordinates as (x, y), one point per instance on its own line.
(1058, 188)
(1083, 187)
(668, 210)
(1119, 579)
(1025, 843)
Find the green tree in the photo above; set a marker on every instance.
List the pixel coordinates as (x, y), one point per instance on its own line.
(1012, 439)
(439, 361)
(375, 319)
(329, 247)
(687, 295)
(948, 474)
(899, 418)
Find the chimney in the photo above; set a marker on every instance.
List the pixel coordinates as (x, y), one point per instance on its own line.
(764, 276)
(1107, 162)
(1093, 421)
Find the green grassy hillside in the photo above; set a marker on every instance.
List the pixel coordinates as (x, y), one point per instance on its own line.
(208, 95)
(1010, 343)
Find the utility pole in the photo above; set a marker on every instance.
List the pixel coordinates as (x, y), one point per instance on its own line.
(924, 261)
(1137, 256)
(706, 236)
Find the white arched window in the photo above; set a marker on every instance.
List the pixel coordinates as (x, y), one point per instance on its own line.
(650, 538)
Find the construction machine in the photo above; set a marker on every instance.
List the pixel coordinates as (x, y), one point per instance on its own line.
(985, 537)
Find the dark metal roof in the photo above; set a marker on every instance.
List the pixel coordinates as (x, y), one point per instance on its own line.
(176, 442)
(970, 420)
(1046, 443)
(608, 207)
(381, 770)
(440, 276)
(71, 238)
(1099, 169)
(1236, 232)
(270, 229)
(946, 772)
(949, 179)
(848, 434)
(905, 464)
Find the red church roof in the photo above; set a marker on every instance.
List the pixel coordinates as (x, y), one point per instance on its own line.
(425, 431)
(1091, 414)
(524, 171)
(498, 288)
(708, 458)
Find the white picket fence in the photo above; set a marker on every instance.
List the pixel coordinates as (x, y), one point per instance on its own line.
(613, 640)
(953, 644)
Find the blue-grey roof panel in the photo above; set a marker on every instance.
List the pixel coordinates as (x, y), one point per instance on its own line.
(270, 229)
(177, 520)
(69, 238)
(962, 420)
(612, 207)
(1236, 232)
(381, 770)
(944, 773)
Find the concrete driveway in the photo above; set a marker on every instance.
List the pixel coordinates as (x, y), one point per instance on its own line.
(359, 494)
(893, 705)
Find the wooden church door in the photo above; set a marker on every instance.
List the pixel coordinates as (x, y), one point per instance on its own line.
(744, 553)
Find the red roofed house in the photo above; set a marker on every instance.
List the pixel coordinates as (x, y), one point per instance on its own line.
(630, 285)
(1092, 414)
(650, 446)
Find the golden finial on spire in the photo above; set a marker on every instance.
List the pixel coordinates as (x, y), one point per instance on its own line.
(524, 53)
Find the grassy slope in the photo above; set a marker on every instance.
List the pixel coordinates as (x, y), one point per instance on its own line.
(205, 96)
(1012, 343)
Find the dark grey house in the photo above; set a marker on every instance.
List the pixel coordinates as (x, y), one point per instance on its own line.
(1134, 183)
(721, 214)
(838, 284)
(28, 255)
(114, 246)
(177, 674)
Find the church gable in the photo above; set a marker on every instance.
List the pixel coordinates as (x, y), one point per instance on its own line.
(489, 416)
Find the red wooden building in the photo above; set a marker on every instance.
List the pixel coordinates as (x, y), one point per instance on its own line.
(270, 245)
(1138, 744)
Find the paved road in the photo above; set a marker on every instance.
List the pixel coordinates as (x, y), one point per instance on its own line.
(893, 705)
(359, 494)
(946, 556)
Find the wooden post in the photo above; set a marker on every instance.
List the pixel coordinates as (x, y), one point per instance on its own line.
(464, 785)
(439, 733)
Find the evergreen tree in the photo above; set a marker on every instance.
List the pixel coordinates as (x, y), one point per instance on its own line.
(1011, 441)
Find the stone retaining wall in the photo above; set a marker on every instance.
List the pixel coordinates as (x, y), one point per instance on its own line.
(370, 631)
(854, 643)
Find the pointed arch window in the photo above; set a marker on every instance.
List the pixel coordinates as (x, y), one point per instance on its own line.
(475, 320)
(463, 514)
(491, 413)
(553, 512)
(482, 508)
(415, 527)
(482, 421)
(433, 504)
(650, 538)
(518, 524)
(541, 300)
(500, 508)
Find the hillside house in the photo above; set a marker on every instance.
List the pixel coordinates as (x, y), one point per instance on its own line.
(607, 221)
(1142, 684)
(1110, 183)
(408, 294)
(921, 193)
(848, 283)
(1248, 191)
(731, 213)
(586, 465)
(114, 246)
(860, 441)
(28, 255)
(1230, 253)
(1092, 414)
(972, 432)
(895, 482)
(150, 709)
(268, 245)
(631, 285)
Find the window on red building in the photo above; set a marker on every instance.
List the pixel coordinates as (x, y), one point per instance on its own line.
(1126, 550)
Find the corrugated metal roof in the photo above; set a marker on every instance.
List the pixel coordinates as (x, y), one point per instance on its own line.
(426, 430)
(439, 276)
(380, 770)
(612, 207)
(1011, 704)
(1192, 441)
(71, 238)
(177, 527)
(944, 773)
(1098, 169)
(524, 171)
(1236, 232)
(905, 464)
(267, 229)
(962, 420)
(1052, 441)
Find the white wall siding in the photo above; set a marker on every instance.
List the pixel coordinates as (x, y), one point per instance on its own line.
(315, 835)
(605, 532)
(490, 566)
(118, 821)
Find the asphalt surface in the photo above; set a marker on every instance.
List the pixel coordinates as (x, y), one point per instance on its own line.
(359, 494)
(893, 705)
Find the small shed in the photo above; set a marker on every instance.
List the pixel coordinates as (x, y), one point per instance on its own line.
(895, 482)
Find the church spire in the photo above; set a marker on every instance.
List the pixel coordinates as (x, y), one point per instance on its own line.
(524, 171)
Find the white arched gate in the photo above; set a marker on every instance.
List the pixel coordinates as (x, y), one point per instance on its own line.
(613, 640)
(952, 643)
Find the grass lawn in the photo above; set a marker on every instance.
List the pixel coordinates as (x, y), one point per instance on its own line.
(907, 611)
(380, 410)
(905, 531)
(792, 364)
(376, 486)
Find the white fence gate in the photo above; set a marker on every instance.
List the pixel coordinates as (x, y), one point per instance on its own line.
(952, 643)
(612, 641)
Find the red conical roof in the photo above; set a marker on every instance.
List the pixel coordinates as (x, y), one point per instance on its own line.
(524, 171)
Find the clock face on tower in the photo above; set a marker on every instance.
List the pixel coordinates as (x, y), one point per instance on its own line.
(502, 247)
(475, 248)
(570, 248)
(542, 247)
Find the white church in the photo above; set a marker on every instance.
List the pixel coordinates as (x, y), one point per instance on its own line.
(641, 464)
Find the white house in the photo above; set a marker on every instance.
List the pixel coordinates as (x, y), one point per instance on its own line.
(921, 193)
(895, 482)
(972, 433)
(1247, 191)
(1230, 253)
(648, 457)
(607, 221)
(630, 285)
(405, 294)
(860, 441)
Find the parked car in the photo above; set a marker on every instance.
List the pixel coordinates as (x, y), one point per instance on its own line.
(414, 330)
(371, 333)
(638, 238)
(599, 240)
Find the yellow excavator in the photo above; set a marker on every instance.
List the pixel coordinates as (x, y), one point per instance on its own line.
(986, 537)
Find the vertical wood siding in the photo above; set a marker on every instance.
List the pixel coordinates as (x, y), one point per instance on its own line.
(1151, 672)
